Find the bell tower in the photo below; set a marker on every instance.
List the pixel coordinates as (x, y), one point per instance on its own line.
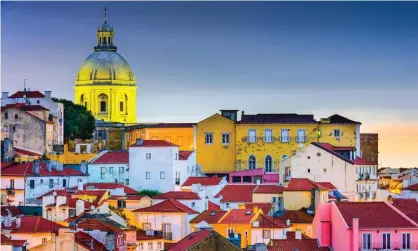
(105, 36)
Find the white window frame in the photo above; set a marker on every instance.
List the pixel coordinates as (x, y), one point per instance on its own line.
(162, 175)
(208, 138)
(111, 169)
(268, 138)
(255, 162)
(410, 241)
(225, 138)
(147, 175)
(285, 139)
(390, 242)
(339, 133)
(252, 139)
(363, 243)
(298, 137)
(271, 169)
(148, 156)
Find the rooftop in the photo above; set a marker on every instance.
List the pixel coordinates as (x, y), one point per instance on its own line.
(204, 181)
(333, 150)
(177, 195)
(155, 143)
(295, 216)
(184, 155)
(265, 221)
(338, 119)
(88, 242)
(294, 244)
(12, 209)
(26, 107)
(191, 240)
(25, 169)
(29, 94)
(58, 192)
(270, 189)
(127, 197)
(112, 157)
(210, 216)
(412, 187)
(238, 216)
(108, 186)
(237, 193)
(281, 118)
(304, 184)
(264, 206)
(34, 224)
(167, 206)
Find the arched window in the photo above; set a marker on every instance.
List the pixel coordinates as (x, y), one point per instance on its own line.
(108, 40)
(100, 40)
(268, 164)
(104, 40)
(103, 103)
(82, 99)
(251, 162)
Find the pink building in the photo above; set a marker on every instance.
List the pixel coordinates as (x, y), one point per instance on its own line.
(353, 226)
(254, 176)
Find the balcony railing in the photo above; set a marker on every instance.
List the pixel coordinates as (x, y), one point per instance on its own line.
(10, 190)
(366, 195)
(399, 245)
(168, 235)
(360, 176)
(373, 195)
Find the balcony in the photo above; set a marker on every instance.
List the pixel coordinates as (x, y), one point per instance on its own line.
(374, 195)
(10, 190)
(251, 139)
(360, 176)
(366, 195)
(177, 181)
(361, 195)
(168, 235)
(398, 245)
(367, 176)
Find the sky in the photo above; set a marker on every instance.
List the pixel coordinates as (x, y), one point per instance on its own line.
(191, 59)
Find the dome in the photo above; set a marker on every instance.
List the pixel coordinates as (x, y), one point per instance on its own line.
(105, 67)
(106, 27)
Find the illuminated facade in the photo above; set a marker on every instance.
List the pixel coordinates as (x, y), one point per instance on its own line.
(105, 83)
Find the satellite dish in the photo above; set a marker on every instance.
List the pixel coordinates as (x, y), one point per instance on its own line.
(92, 207)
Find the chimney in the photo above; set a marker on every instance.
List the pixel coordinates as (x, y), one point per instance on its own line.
(4, 95)
(18, 222)
(288, 222)
(47, 94)
(355, 231)
(298, 234)
(80, 186)
(8, 219)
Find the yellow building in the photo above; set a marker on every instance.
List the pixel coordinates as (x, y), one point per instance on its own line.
(181, 134)
(105, 83)
(215, 142)
(264, 140)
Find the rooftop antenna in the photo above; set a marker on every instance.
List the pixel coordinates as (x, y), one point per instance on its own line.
(24, 85)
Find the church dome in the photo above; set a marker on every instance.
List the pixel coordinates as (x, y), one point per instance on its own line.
(105, 67)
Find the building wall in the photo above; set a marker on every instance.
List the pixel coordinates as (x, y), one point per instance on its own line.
(30, 132)
(214, 242)
(216, 157)
(275, 233)
(133, 204)
(265, 197)
(115, 94)
(157, 245)
(369, 146)
(183, 137)
(6, 247)
(295, 200)
(34, 239)
(350, 135)
(96, 175)
(178, 221)
(70, 157)
(243, 229)
(18, 198)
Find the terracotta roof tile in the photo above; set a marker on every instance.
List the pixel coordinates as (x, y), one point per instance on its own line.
(29, 94)
(177, 195)
(210, 216)
(88, 242)
(23, 152)
(237, 193)
(372, 215)
(155, 143)
(184, 155)
(265, 207)
(291, 245)
(238, 216)
(271, 189)
(108, 186)
(34, 224)
(59, 193)
(303, 184)
(7, 241)
(25, 169)
(173, 125)
(25, 107)
(295, 216)
(204, 181)
(412, 187)
(265, 221)
(142, 236)
(406, 205)
(13, 209)
(128, 197)
(281, 118)
(167, 206)
(96, 224)
(213, 206)
(292, 235)
(326, 185)
(6, 164)
(191, 240)
(333, 150)
(112, 157)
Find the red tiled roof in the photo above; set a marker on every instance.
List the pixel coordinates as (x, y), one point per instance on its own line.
(155, 143)
(361, 161)
(265, 207)
(272, 189)
(18, 243)
(281, 118)
(406, 205)
(265, 221)
(72, 203)
(326, 185)
(88, 242)
(25, 169)
(13, 209)
(23, 152)
(25, 107)
(295, 216)
(108, 186)
(128, 197)
(141, 236)
(293, 244)
(95, 224)
(412, 187)
(304, 184)
(191, 240)
(204, 181)
(7, 241)
(237, 193)
(29, 94)
(59, 193)
(372, 215)
(213, 206)
(292, 235)
(121, 157)
(173, 125)
(210, 216)
(167, 206)
(238, 216)
(184, 155)
(6, 164)
(177, 195)
(332, 150)
(34, 224)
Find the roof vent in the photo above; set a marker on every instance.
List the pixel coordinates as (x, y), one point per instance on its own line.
(248, 212)
(139, 142)
(213, 213)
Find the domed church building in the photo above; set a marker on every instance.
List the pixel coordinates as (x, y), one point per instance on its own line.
(105, 83)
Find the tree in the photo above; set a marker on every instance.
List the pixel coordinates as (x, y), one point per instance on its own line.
(149, 193)
(79, 123)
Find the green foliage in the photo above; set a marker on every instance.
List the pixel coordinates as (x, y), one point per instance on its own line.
(149, 193)
(44, 157)
(79, 123)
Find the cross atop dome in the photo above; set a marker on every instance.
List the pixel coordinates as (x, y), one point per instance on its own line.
(105, 36)
(105, 14)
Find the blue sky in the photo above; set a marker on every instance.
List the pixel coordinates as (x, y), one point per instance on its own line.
(358, 59)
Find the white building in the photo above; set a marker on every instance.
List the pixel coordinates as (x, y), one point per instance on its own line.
(45, 100)
(354, 177)
(194, 200)
(156, 165)
(109, 166)
(23, 183)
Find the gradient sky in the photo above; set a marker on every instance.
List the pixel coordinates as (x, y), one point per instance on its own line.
(357, 59)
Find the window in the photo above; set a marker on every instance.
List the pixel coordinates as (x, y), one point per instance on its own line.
(102, 172)
(162, 175)
(71, 212)
(121, 204)
(225, 138)
(121, 106)
(121, 169)
(148, 156)
(51, 183)
(386, 245)
(12, 184)
(32, 184)
(6, 115)
(16, 116)
(148, 175)
(208, 138)
(268, 165)
(227, 205)
(406, 241)
(44, 240)
(193, 204)
(252, 136)
(102, 106)
(141, 246)
(42, 181)
(111, 169)
(127, 182)
(337, 133)
(268, 135)
(301, 136)
(146, 226)
(64, 182)
(14, 128)
(251, 162)
(284, 136)
(159, 245)
(79, 180)
(309, 170)
(37, 101)
(176, 156)
(266, 234)
(150, 246)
